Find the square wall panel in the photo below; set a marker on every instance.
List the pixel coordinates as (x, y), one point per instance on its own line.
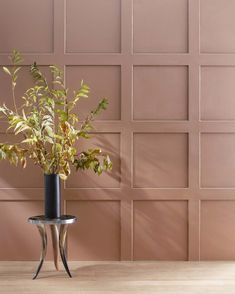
(217, 93)
(160, 230)
(24, 82)
(19, 239)
(217, 160)
(96, 236)
(27, 26)
(104, 81)
(160, 92)
(217, 24)
(160, 26)
(217, 240)
(109, 143)
(18, 177)
(93, 26)
(160, 160)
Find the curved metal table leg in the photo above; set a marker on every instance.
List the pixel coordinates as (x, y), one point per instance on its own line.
(43, 234)
(62, 239)
(55, 244)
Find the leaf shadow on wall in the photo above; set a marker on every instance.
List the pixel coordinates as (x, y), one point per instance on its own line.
(160, 226)
(97, 234)
(161, 230)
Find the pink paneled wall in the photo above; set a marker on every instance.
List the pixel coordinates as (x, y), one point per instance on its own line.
(168, 69)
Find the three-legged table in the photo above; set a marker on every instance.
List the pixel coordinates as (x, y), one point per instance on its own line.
(59, 227)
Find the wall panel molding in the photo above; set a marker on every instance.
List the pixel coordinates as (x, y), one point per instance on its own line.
(168, 67)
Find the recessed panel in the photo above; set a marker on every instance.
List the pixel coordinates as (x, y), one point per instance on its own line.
(24, 82)
(109, 144)
(19, 239)
(18, 177)
(217, 93)
(160, 26)
(96, 236)
(217, 225)
(160, 230)
(217, 160)
(160, 160)
(27, 26)
(160, 92)
(217, 26)
(93, 26)
(104, 81)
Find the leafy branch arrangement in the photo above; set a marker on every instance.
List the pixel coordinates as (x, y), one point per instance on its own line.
(48, 126)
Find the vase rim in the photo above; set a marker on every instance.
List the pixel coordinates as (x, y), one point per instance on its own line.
(51, 175)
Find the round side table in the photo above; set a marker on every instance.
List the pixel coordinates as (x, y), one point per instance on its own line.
(59, 227)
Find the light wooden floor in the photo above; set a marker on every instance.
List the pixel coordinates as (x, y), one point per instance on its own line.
(120, 277)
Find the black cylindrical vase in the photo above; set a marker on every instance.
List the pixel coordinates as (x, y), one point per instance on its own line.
(52, 196)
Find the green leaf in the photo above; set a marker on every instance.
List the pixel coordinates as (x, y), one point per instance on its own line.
(58, 137)
(63, 177)
(82, 95)
(16, 57)
(16, 70)
(19, 124)
(49, 140)
(49, 131)
(24, 116)
(6, 70)
(21, 129)
(30, 140)
(2, 154)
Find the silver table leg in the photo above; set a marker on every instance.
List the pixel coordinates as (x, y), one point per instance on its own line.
(55, 244)
(43, 234)
(62, 242)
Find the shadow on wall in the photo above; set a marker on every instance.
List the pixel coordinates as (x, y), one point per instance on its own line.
(160, 230)
(97, 234)
(160, 227)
